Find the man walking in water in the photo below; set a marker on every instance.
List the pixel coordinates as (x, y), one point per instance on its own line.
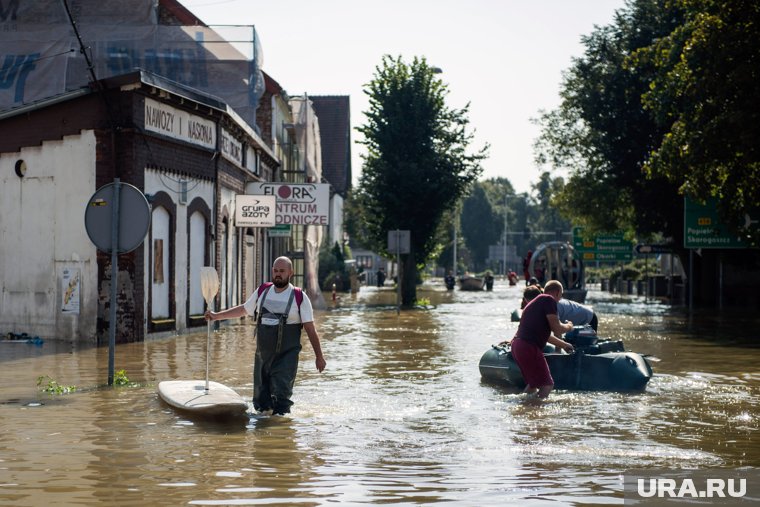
(280, 310)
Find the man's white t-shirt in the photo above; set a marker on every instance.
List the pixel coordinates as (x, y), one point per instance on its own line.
(276, 302)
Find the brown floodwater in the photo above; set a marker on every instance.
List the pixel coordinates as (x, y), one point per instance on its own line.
(399, 417)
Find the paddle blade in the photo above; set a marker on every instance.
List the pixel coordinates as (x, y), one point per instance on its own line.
(209, 283)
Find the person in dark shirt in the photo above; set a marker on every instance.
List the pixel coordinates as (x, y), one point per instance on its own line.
(538, 321)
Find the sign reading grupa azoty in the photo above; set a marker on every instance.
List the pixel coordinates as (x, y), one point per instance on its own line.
(254, 211)
(297, 203)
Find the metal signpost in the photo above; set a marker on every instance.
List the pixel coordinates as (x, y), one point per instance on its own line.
(399, 242)
(116, 219)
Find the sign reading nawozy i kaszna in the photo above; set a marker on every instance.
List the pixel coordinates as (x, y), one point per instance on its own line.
(297, 203)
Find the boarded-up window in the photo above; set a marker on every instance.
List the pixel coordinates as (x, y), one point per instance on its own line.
(158, 261)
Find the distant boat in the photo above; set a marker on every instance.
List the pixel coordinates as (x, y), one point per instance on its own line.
(468, 282)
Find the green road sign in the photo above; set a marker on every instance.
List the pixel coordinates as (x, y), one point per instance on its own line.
(607, 256)
(605, 248)
(702, 227)
(279, 231)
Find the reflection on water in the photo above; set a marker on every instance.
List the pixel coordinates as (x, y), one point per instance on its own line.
(399, 417)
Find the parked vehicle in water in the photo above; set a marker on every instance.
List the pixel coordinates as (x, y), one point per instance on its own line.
(594, 366)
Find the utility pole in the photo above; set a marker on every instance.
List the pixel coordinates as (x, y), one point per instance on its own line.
(455, 249)
(505, 234)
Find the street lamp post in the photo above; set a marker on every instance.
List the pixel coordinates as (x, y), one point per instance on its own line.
(506, 196)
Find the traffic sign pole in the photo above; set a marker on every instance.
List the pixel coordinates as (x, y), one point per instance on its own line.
(111, 234)
(114, 274)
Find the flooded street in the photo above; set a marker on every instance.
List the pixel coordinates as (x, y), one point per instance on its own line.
(399, 417)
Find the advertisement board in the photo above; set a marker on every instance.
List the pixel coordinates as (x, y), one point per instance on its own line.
(297, 203)
(254, 210)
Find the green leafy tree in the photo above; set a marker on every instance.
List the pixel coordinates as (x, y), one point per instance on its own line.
(705, 94)
(603, 135)
(518, 210)
(418, 163)
(480, 225)
(548, 217)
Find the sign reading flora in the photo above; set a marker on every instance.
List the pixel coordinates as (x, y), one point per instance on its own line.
(297, 203)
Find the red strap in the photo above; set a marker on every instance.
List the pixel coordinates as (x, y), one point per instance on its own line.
(263, 287)
(299, 297)
(299, 292)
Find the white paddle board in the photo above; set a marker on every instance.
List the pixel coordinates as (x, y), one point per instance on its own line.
(191, 396)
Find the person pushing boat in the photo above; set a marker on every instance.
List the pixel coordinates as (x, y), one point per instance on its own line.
(538, 321)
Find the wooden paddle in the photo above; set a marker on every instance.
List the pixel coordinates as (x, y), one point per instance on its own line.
(209, 288)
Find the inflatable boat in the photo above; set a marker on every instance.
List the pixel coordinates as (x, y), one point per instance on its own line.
(596, 365)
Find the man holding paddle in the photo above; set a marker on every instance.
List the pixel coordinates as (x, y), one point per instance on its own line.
(280, 310)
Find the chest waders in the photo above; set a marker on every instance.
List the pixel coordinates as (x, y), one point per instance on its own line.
(276, 361)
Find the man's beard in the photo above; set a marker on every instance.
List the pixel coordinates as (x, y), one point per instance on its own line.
(281, 282)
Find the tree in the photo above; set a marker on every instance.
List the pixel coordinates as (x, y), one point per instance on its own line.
(417, 165)
(603, 135)
(548, 217)
(480, 226)
(706, 96)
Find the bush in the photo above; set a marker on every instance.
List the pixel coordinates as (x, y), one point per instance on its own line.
(634, 270)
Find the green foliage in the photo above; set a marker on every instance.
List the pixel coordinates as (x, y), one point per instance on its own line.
(417, 165)
(50, 386)
(547, 215)
(637, 269)
(479, 225)
(423, 301)
(120, 378)
(603, 135)
(705, 94)
(665, 101)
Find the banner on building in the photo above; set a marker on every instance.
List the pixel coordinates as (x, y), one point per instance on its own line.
(297, 203)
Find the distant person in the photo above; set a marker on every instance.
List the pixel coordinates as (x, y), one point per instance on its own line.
(489, 280)
(539, 268)
(280, 310)
(526, 266)
(512, 277)
(380, 277)
(538, 321)
(450, 281)
(578, 314)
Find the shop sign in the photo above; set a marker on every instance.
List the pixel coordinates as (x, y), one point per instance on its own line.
(297, 203)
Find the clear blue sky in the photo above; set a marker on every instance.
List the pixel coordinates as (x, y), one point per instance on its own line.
(504, 57)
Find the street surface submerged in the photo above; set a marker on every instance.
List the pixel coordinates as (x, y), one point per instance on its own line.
(399, 417)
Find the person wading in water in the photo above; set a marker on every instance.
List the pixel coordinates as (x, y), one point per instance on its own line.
(280, 310)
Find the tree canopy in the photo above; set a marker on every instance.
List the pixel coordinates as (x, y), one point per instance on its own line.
(418, 163)
(664, 102)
